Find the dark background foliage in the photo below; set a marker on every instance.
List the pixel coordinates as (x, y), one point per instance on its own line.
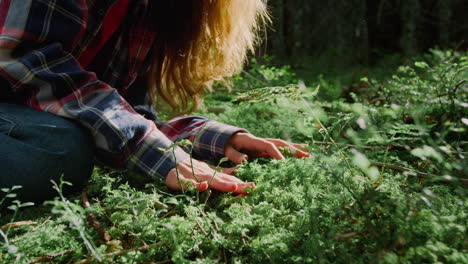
(360, 32)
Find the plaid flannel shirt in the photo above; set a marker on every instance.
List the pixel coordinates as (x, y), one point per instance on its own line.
(86, 60)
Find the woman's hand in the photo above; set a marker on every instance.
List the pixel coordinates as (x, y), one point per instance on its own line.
(242, 146)
(202, 175)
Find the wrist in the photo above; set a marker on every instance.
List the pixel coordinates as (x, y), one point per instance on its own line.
(211, 142)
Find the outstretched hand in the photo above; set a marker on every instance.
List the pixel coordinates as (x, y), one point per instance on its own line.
(243, 146)
(204, 176)
(240, 147)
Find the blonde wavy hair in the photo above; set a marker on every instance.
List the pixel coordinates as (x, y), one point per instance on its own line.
(199, 42)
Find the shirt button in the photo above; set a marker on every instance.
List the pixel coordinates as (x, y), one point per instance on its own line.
(101, 12)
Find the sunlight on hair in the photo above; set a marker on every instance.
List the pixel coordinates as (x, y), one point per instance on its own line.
(202, 42)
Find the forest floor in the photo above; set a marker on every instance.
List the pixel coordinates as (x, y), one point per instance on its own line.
(386, 182)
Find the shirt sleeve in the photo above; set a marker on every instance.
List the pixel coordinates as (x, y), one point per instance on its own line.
(208, 137)
(37, 42)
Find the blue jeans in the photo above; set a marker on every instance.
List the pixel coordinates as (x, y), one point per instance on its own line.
(37, 147)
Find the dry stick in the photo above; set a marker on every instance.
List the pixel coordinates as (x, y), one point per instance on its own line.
(253, 77)
(122, 252)
(215, 225)
(399, 168)
(403, 169)
(51, 256)
(92, 220)
(208, 194)
(391, 147)
(346, 236)
(454, 90)
(216, 110)
(18, 224)
(460, 83)
(173, 212)
(159, 262)
(201, 227)
(32, 230)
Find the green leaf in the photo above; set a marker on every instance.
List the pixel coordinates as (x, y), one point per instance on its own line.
(67, 183)
(13, 207)
(427, 152)
(373, 173)
(27, 204)
(12, 249)
(421, 65)
(184, 142)
(164, 150)
(465, 121)
(360, 160)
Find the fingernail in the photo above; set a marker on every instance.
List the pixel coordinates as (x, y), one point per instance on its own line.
(303, 155)
(252, 184)
(243, 158)
(202, 186)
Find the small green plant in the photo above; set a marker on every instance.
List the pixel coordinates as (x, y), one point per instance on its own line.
(261, 73)
(73, 214)
(9, 195)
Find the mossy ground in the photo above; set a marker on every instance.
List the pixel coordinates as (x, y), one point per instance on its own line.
(386, 182)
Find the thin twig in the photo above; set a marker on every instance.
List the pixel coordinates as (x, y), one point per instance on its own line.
(159, 262)
(390, 147)
(346, 236)
(458, 85)
(92, 220)
(122, 252)
(32, 230)
(253, 77)
(399, 168)
(51, 256)
(458, 93)
(418, 173)
(216, 110)
(173, 212)
(18, 224)
(201, 227)
(208, 194)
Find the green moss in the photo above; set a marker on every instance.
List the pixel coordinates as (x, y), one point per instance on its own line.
(324, 209)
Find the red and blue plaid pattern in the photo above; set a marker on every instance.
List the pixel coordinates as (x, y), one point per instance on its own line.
(47, 48)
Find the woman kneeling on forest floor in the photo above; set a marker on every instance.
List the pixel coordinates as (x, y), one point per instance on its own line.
(94, 69)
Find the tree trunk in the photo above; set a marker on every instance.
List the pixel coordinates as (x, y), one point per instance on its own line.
(410, 10)
(361, 32)
(443, 25)
(279, 25)
(341, 32)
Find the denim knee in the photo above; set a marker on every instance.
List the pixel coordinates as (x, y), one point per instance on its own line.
(37, 148)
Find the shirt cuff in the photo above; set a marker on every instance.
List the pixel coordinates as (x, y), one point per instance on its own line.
(212, 139)
(154, 156)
